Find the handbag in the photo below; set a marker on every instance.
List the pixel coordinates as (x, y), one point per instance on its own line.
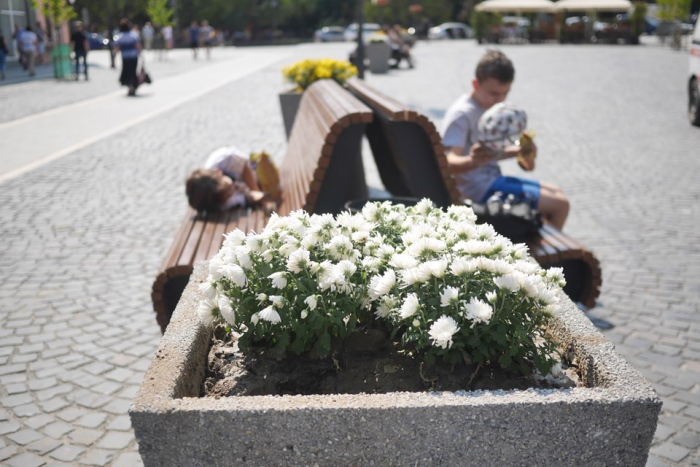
(513, 216)
(143, 77)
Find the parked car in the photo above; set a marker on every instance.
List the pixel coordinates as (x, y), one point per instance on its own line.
(694, 81)
(613, 30)
(450, 31)
(367, 30)
(96, 41)
(330, 34)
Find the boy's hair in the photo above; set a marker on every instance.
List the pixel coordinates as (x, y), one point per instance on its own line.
(203, 188)
(494, 64)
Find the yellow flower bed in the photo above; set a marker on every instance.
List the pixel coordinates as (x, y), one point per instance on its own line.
(308, 71)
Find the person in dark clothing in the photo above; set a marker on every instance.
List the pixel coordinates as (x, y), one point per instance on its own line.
(130, 46)
(80, 48)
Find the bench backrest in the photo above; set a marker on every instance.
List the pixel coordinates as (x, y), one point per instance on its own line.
(323, 165)
(407, 149)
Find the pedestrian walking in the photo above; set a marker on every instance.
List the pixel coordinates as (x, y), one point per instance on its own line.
(194, 38)
(41, 37)
(3, 56)
(17, 36)
(147, 36)
(167, 32)
(129, 45)
(30, 46)
(80, 49)
(206, 34)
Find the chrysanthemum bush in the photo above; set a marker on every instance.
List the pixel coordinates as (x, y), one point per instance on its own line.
(443, 286)
(306, 72)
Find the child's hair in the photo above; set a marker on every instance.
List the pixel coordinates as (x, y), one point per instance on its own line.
(494, 64)
(203, 188)
(124, 25)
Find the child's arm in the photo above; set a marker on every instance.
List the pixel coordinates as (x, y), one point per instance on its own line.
(459, 162)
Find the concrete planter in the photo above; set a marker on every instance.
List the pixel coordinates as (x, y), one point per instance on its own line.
(611, 422)
(378, 54)
(289, 102)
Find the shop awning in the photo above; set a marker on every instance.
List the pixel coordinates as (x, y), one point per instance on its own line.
(516, 6)
(593, 5)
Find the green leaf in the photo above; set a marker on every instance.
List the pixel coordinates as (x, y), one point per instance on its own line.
(323, 345)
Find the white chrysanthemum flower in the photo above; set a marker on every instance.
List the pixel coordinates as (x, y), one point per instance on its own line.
(462, 212)
(360, 237)
(370, 263)
(267, 255)
(369, 212)
(426, 246)
(382, 285)
(485, 232)
(478, 311)
(234, 273)
(507, 282)
(519, 251)
(464, 230)
(442, 330)
(234, 238)
(277, 301)
(416, 232)
(410, 306)
(416, 275)
(226, 310)
(527, 267)
(449, 296)
(556, 275)
(461, 266)
(385, 252)
(279, 280)
(208, 312)
(255, 319)
(270, 315)
(255, 243)
(304, 314)
(416, 323)
(477, 247)
(311, 302)
(291, 244)
(384, 309)
(528, 283)
(424, 206)
(261, 297)
(215, 265)
(208, 288)
(546, 295)
(346, 268)
(311, 238)
(437, 267)
(298, 260)
(403, 261)
(340, 247)
(491, 297)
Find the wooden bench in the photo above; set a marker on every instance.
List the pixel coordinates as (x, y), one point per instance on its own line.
(411, 162)
(321, 171)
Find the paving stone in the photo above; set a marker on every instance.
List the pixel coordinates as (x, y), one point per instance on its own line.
(116, 440)
(26, 460)
(4, 415)
(24, 436)
(9, 427)
(50, 393)
(44, 445)
(17, 388)
(97, 368)
(8, 452)
(14, 401)
(67, 453)
(688, 440)
(119, 374)
(129, 459)
(671, 451)
(96, 457)
(117, 406)
(38, 384)
(120, 423)
(39, 421)
(663, 432)
(72, 413)
(91, 420)
(27, 410)
(57, 403)
(57, 429)
(85, 436)
(107, 387)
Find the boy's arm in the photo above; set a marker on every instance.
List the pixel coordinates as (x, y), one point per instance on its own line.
(459, 162)
(512, 151)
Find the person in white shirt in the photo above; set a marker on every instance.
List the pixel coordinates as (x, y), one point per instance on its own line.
(30, 45)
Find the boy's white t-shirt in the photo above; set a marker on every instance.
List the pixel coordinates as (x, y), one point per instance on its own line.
(231, 161)
(459, 128)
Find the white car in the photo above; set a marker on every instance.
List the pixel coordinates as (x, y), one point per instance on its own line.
(450, 31)
(330, 34)
(367, 30)
(694, 81)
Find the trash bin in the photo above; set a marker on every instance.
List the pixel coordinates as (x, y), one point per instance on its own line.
(62, 65)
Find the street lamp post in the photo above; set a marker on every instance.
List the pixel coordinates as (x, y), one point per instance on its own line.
(360, 42)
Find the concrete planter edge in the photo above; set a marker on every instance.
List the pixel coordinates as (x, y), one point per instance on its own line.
(612, 422)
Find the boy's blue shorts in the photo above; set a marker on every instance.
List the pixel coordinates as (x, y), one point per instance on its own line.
(515, 186)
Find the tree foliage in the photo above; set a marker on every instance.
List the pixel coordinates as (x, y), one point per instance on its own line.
(670, 10)
(159, 12)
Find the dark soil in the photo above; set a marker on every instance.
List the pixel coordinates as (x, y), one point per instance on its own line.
(368, 363)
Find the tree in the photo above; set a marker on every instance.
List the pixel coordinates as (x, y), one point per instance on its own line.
(159, 12)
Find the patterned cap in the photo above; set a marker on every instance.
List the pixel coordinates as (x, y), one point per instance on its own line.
(501, 123)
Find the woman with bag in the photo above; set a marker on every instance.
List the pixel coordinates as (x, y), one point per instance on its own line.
(129, 44)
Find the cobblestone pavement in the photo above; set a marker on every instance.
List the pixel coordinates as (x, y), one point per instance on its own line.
(83, 236)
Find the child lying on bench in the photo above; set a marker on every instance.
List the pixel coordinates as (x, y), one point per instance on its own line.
(226, 181)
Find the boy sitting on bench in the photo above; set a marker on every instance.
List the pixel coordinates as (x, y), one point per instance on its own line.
(478, 175)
